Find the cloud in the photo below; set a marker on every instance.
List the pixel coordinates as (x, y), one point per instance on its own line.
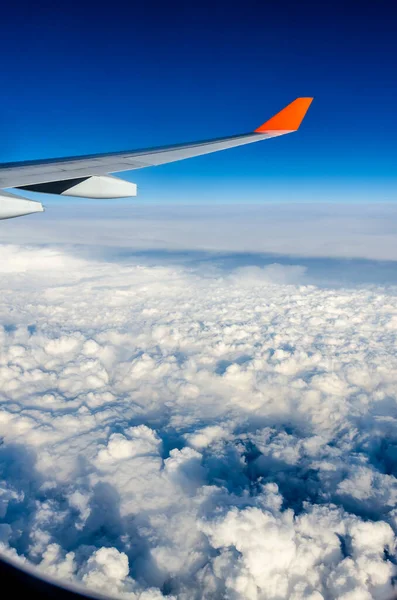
(271, 553)
(275, 273)
(191, 433)
(300, 229)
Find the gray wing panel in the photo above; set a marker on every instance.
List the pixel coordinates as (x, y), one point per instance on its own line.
(43, 171)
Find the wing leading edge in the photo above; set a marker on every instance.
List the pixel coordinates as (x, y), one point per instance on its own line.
(61, 169)
(58, 175)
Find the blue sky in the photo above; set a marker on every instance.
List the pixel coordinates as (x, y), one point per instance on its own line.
(90, 80)
(174, 375)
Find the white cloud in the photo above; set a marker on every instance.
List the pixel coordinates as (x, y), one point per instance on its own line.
(276, 273)
(305, 229)
(170, 430)
(136, 441)
(106, 566)
(271, 553)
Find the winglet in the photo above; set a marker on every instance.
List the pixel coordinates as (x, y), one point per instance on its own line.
(287, 119)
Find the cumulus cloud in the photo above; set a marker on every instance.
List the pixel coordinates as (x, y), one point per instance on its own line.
(191, 433)
(279, 554)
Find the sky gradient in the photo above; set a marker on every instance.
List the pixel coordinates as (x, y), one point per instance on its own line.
(92, 80)
(200, 401)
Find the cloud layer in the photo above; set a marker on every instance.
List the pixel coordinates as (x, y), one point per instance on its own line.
(312, 229)
(197, 433)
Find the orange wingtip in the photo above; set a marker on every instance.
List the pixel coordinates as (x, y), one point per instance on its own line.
(289, 118)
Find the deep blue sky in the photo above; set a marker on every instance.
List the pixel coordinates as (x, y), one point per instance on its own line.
(93, 78)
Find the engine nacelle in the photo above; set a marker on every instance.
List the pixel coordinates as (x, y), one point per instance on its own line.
(100, 187)
(14, 206)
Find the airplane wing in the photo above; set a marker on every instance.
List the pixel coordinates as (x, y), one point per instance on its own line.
(87, 176)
